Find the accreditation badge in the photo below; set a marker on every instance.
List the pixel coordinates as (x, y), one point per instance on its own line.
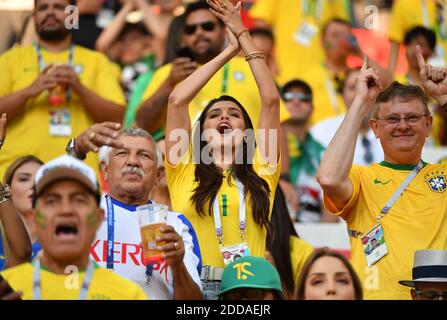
(374, 245)
(60, 122)
(305, 34)
(232, 253)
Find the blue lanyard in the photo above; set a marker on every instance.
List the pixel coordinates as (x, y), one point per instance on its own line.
(2, 253)
(110, 231)
(111, 236)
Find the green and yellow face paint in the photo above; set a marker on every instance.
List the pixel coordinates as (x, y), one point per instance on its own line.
(41, 220)
(92, 218)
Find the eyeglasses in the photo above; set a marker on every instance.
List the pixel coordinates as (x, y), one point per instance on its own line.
(432, 295)
(410, 119)
(190, 29)
(288, 96)
(250, 294)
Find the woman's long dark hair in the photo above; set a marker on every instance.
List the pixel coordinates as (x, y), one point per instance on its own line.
(279, 247)
(210, 177)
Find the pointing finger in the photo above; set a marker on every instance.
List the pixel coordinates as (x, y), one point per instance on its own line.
(365, 63)
(420, 58)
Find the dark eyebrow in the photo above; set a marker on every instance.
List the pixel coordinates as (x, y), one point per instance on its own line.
(235, 109)
(322, 274)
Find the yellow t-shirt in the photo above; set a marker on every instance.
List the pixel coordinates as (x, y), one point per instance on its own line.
(240, 84)
(327, 101)
(28, 133)
(296, 54)
(416, 221)
(105, 284)
(180, 179)
(300, 250)
(406, 15)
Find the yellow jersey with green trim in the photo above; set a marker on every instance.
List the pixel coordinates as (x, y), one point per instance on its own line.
(28, 132)
(181, 183)
(300, 250)
(105, 284)
(416, 221)
(240, 84)
(297, 31)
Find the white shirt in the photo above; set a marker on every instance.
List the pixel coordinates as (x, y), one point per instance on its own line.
(325, 130)
(128, 253)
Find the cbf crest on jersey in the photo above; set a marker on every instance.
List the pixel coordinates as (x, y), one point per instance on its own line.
(436, 181)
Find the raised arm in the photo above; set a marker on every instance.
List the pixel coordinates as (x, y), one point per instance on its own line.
(16, 236)
(434, 80)
(184, 92)
(269, 117)
(111, 33)
(333, 174)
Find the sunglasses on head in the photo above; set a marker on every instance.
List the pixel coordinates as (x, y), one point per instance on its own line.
(288, 96)
(207, 26)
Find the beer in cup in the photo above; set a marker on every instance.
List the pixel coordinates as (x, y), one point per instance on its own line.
(151, 217)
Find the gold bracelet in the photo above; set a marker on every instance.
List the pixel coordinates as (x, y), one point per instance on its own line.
(240, 33)
(255, 55)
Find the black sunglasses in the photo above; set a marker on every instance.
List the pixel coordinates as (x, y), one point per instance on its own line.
(207, 26)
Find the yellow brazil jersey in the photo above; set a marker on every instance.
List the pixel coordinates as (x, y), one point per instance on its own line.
(105, 284)
(235, 80)
(28, 132)
(406, 15)
(327, 102)
(416, 221)
(300, 250)
(297, 28)
(180, 179)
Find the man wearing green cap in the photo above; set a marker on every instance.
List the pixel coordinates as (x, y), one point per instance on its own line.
(251, 278)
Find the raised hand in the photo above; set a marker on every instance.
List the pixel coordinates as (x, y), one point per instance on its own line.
(434, 79)
(230, 14)
(181, 69)
(98, 135)
(368, 85)
(233, 43)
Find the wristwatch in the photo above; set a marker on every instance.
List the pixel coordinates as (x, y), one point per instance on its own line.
(5, 193)
(70, 149)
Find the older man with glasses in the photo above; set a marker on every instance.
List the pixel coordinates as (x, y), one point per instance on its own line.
(403, 197)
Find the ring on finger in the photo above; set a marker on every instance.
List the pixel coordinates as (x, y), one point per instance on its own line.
(176, 245)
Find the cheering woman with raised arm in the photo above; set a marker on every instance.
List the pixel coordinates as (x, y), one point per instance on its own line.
(224, 178)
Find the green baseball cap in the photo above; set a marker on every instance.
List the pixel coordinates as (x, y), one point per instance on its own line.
(250, 272)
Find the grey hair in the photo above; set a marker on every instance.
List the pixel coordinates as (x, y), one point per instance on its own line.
(104, 152)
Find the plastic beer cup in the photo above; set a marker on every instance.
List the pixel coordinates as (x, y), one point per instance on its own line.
(151, 217)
